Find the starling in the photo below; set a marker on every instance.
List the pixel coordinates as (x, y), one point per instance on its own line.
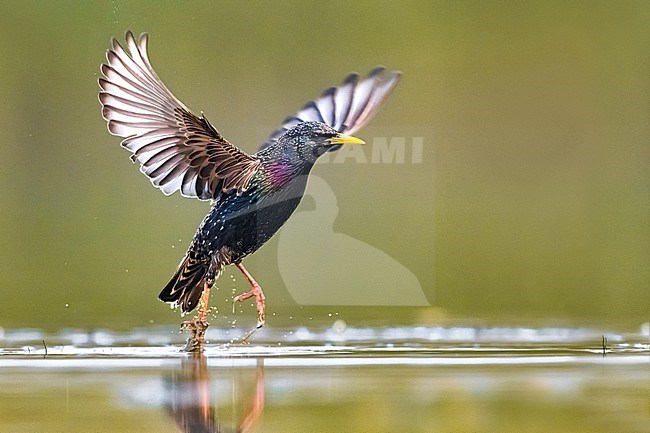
(251, 195)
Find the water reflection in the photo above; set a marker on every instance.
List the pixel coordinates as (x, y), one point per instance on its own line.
(489, 387)
(190, 403)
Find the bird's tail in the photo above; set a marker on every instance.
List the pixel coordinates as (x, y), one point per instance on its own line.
(186, 286)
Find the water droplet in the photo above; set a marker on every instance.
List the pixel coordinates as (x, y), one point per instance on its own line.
(67, 305)
(339, 326)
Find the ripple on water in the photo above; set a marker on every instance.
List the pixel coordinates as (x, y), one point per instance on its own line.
(345, 346)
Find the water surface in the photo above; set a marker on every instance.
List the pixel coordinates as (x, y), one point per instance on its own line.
(425, 379)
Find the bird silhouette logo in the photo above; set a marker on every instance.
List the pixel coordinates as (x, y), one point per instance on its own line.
(375, 278)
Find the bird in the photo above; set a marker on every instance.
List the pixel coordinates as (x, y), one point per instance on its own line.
(251, 195)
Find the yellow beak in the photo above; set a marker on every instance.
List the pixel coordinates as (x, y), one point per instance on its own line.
(346, 139)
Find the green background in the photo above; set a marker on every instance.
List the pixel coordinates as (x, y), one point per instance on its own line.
(532, 199)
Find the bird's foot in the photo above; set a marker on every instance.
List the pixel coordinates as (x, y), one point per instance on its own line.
(197, 328)
(260, 301)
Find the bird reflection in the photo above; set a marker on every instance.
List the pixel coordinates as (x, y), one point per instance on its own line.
(189, 402)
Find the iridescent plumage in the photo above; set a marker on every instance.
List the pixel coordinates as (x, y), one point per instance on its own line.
(252, 195)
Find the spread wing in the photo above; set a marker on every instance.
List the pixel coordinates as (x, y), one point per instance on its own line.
(346, 108)
(176, 149)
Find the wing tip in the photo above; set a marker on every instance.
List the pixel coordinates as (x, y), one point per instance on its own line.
(134, 44)
(129, 36)
(115, 44)
(330, 91)
(351, 78)
(395, 74)
(111, 125)
(379, 71)
(376, 71)
(393, 78)
(106, 111)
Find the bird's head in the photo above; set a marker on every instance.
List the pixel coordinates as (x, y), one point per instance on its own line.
(306, 141)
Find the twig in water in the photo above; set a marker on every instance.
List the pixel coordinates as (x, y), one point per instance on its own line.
(604, 345)
(45, 346)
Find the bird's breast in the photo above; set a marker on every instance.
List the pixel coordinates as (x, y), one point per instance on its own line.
(243, 223)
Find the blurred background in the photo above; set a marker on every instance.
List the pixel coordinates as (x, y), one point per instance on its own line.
(531, 200)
